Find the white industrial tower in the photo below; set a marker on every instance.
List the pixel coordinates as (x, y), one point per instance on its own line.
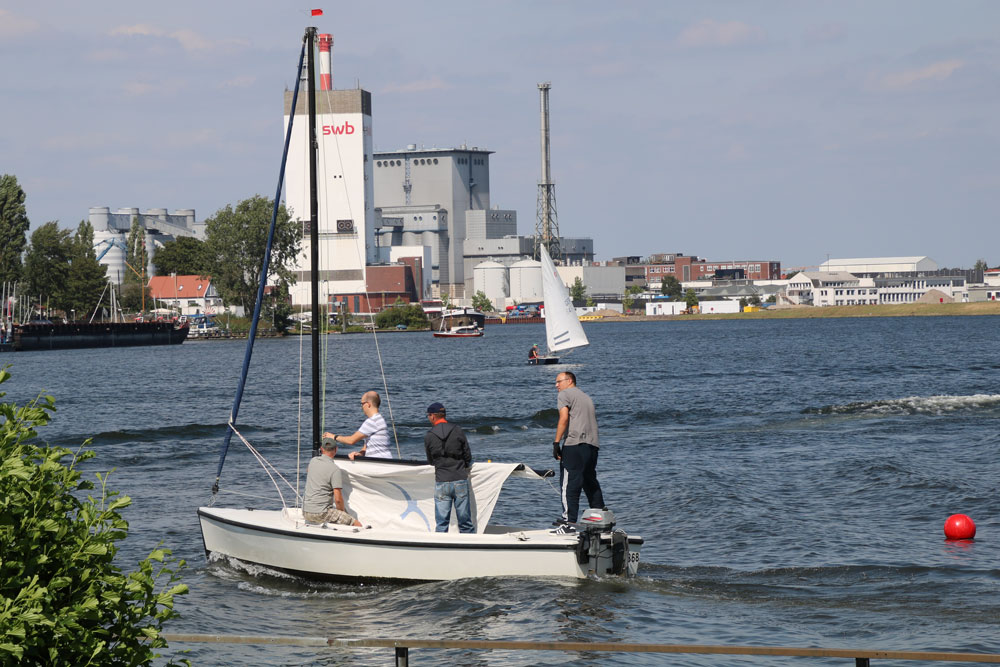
(546, 225)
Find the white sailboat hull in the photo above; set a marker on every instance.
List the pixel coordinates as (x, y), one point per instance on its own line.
(280, 539)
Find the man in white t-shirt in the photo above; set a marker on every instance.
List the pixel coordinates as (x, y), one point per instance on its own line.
(373, 431)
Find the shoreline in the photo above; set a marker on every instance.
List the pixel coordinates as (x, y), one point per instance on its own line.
(808, 312)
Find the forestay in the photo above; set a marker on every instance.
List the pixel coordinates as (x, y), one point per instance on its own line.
(399, 496)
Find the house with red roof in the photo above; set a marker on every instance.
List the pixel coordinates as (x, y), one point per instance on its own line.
(188, 295)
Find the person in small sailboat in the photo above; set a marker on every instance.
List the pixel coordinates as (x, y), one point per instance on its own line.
(323, 501)
(373, 431)
(533, 352)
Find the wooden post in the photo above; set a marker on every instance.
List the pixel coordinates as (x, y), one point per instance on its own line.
(402, 656)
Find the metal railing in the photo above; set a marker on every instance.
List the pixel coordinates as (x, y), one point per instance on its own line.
(861, 657)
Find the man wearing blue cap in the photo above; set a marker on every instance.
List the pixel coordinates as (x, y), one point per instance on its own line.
(448, 451)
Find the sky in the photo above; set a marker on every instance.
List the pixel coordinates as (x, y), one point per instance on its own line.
(766, 130)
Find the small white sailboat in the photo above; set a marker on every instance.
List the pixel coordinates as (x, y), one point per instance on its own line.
(394, 501)
(563, 330)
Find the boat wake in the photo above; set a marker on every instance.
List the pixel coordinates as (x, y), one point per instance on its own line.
(263, 580)
(912, 405)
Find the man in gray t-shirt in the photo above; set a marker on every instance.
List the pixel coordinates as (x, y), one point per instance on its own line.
(578, 455)
(323, 500)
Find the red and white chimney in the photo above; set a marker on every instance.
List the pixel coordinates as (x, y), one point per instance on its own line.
(325, 47)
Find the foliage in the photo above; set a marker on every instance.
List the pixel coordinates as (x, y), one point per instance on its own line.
(46, 264)
(792, 275)
(277, 308)
(772, 299)
(134, 284)
(482, 302)
(445, 300)
(671, 287)
(184, 256)
(236, 240)
(755, 300)
(690, 298)
(410, 314)
(63, 601)
(13, 228)
(630, 293)
(590, 302)
(743, 302)
(87, 278)
(578, 291)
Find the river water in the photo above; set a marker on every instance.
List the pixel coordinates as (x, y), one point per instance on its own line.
(791, 479)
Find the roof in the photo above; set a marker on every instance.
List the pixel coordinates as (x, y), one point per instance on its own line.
(179, 287)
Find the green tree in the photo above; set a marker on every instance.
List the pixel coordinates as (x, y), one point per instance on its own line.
(979, 267)
(755, 299)
(13, 228)
(134, 283)
(184, 256)
(690, 298)
(277, 308)
(743, 303)
(629, 298)
(87, 278)
(63, 600)
(410, 314)
(578, 291)
(482, 302)
(236, 240)
(671, 287)
(46, 264)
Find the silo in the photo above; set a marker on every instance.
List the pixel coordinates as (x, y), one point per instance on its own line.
(526, 281)
(109, 247)
(490, 278)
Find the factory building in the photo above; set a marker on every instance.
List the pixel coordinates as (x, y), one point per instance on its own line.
(346, 212)
(431, 197)
(111, 230)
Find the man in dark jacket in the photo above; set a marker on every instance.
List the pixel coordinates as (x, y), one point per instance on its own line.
(448, 451)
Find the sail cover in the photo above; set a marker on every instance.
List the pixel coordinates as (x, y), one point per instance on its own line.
(563, 330)
(400, 496)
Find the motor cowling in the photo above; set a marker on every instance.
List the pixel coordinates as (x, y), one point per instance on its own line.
(598, 520)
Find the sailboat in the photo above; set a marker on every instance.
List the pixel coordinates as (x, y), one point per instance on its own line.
(394, 500)
(563, 330)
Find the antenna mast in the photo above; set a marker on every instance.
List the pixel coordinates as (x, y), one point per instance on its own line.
(546, 225)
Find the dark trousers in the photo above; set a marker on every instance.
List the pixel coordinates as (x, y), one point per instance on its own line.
(578, 470)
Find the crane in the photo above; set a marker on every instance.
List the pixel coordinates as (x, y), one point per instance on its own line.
(110, 243)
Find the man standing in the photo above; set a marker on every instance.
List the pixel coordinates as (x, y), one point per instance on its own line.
(374, 431)
(323, 501)
(578, 455)
(448, 451)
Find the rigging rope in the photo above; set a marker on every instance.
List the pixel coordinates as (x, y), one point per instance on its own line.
(362, 262)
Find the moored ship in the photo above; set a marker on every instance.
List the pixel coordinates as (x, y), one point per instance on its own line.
(49, 336)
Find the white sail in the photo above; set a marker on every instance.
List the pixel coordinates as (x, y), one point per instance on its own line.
(562, 327)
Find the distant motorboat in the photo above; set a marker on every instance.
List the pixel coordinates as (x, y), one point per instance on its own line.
(460, 332)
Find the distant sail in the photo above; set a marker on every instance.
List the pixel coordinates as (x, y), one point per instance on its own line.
(562, 327)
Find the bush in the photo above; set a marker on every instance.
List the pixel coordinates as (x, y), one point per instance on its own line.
(412, 315)
(63, 601)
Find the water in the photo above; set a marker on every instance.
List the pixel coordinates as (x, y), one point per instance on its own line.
(791, 479)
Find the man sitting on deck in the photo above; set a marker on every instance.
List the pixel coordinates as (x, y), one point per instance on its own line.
(533, 353)
(323, 501)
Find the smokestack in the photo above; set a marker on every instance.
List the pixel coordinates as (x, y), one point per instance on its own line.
(325, 75)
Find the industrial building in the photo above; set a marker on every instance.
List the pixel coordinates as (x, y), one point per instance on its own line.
(346, 212)
(111, 230)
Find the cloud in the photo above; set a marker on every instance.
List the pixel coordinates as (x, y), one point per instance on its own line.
(189, 40)
(709, 33)
(424, 86)
(906, 79)
(244, 81)
(825, 33)
(12, 25)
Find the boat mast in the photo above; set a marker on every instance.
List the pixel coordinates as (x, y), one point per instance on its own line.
(313, 234)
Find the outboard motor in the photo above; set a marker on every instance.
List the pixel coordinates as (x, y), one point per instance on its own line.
(602, 548)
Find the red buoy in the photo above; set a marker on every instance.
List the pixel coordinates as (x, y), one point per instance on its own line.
(959, 527)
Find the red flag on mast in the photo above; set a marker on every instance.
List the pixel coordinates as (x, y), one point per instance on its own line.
(317, 12)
